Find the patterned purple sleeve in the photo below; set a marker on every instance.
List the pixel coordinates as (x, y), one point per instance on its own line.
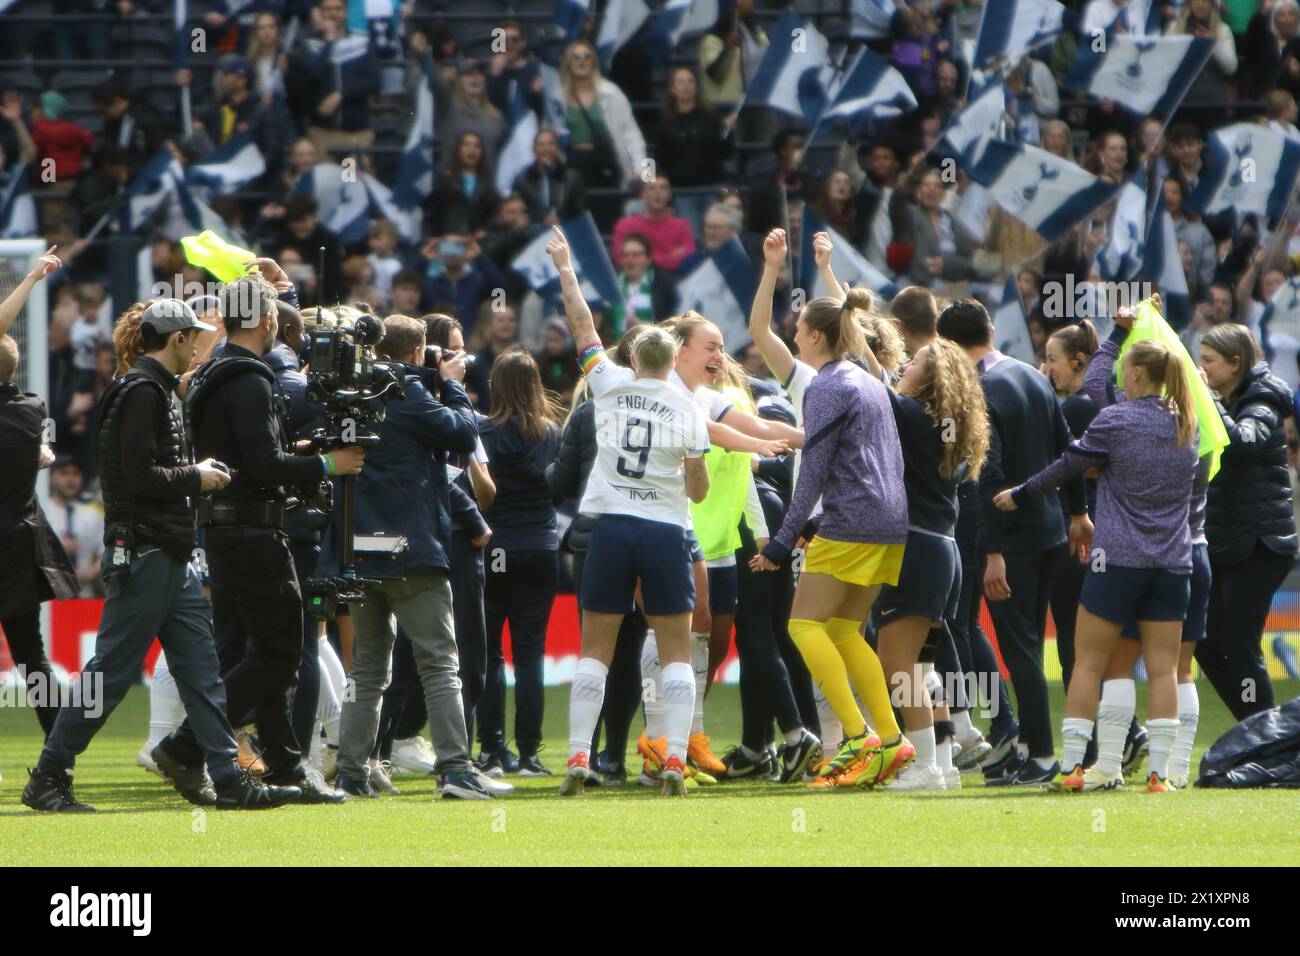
(1091, 450)
(1099, 380)
(824, 414)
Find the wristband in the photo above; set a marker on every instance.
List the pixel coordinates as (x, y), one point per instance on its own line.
(328, 461)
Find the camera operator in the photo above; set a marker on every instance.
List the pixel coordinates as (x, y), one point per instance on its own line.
(236, 415)
(149, 487)
(404, 492)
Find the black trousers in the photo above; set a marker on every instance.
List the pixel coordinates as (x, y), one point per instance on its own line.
(1231, 655)
(467, 582)
(520, 589)
(256, 594)
(763, 608)
(23, 632)
(1067, 585)
(306, 698)
(1020, 621)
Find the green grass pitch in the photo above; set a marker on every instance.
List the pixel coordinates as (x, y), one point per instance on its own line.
(144, 823)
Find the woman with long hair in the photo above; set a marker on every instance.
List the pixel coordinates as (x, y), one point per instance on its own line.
(691, 144)
(1249, 521)
(462, 105)
(465, 199)
(1145, 453)
(521, 439)
(264, 50)
(605, 144)
(843, 208)
(941, 249)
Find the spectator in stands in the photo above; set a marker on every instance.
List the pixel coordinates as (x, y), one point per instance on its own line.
(1032, 99)
(557, 360)
(671, 238)
(769, 194)
(1256, 287)
(514, 68)
(77, 522)
(1056, 139)
(650, 293)
(722, 223)
(464, 199)
(78, 39)
(1272, 48)
(305, 235)
(1280, 114)
(139, 132)
(58, 139)
(1149, 147)
(464, 107)
(1108, 157)
(918, 47)
(605, 144)
(1190, 229)
(16, 144)
(301, 273)
(729, 55)
(241, 110)
(499, 332)
(88, 333)
(383, 255)
(947, 93)
(1200, 18)
(940, 249)
(691, 144)
(843, 209)
(457, 272)
(359, 283)
(405, 292)
(552, 191)
(265, 53)
(1185, 145)
(505, 238)
(1219, 308)
(879, 199)
(334, 74)
(231, 211)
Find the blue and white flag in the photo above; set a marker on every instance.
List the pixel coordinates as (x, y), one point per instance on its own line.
(979, 121)
(1281, 317)
(227, 167)
(343, 202)
(1144, 75)
(1009, 29)
(1011, 323)
(1045, 192)
(415, 171)
(1251, 170)
(153, 187)
(596, 276)
(383, 206)
(870, 89)
(1163, 266)
(679, 20)
(570, 15)
(850, 266)
(872, 19)
(517, 148)
(17, 207)
(621, 21)
(1125, 250)
(721, 287)
(795, 74)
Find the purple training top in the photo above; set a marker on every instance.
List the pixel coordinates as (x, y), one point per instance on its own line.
(1144, 484)
(852, 460)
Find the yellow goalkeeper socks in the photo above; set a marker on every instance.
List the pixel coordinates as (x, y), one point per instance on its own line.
(864, 670)
(827, 669)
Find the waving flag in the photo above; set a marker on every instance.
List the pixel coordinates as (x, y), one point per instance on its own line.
(1281, 316)
(1011, 323)
(721, 287)
(1144, 75)
(679, 20)
(978, 121)
(850, 266)
(1125, 249)
(570, 15)
(795, 75)
(415, 171)
(621, 21)
(1251, 170)
(17, 208)
(1045, 192)
(344, 203)
(591, 264)
(872, 19)
(870, 89)
(517, 149)
(227, 167)
(1011, 28)
(153, 187)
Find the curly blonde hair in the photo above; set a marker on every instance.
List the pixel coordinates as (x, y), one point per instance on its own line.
(952, 396)
(884, 341)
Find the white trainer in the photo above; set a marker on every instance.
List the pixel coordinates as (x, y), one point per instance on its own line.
(145, 759)
(952, 779)
(917, 777)
(414, 755)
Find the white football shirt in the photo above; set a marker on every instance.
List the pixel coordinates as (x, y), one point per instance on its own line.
(644, 428)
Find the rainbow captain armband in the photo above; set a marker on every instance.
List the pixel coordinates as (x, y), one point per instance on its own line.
(591, 356)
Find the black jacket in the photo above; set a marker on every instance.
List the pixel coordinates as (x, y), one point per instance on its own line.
(566, 194)
(1249, 500)
(36, 568)
(567, 475)
(449, 211)
(690, 148)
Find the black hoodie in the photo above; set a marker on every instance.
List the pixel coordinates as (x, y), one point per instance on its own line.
(522, 516)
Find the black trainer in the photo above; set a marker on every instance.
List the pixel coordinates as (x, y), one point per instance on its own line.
(531, 766)
(798, 757)
(1135, 748)
(311, 787)
(461, 785)
(739, 765)
(192, 783)
(489, 763)
(354, 787)
(52, 793)
(243, 791)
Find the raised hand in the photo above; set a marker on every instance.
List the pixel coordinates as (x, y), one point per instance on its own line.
(558, 249)
(822, 249)
(774, 249)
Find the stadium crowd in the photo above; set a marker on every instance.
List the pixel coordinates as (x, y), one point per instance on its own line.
(676, 160)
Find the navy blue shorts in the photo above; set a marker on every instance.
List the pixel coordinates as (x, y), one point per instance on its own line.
(697, 552)
(1199, 602)
(1128, 595)
(929, 582)
(724, 588)
(623, 550)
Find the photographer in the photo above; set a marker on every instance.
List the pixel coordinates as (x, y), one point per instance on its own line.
(149, 487)
(235, 414)
(404, 491)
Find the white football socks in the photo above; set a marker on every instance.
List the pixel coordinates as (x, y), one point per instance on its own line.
(1161, 732)
(700, 665)
(1114, 715)
(166, 712)
(586, 697)
(679, 706)
(1075, 734)
(1189, 714)
(652, 679)
(962, 726)
(333, 684)
(923, 741)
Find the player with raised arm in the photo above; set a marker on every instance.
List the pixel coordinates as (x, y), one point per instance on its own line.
(648, 432)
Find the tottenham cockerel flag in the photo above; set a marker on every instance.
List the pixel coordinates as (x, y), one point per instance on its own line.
(620, 22)
(870, 89)
(517, 148)
(1011, 28)
(1125, 250)
(795, 74)
(1011, 324)
(1045, 192)
(347, 202)
(872, 19)
(979, 121)
(1281, 318)
(153, 187)
(720, 286)
(591, 264)
(1251, 170)
(415, 171)
(17, 208)
(677, 21)
(850, 266)
(1145, 75)
(227, 167)
(570, 16)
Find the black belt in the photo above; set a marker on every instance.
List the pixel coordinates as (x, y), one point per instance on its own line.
(239, 513)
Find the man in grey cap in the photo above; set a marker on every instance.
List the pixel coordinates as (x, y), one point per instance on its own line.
(150, 486)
